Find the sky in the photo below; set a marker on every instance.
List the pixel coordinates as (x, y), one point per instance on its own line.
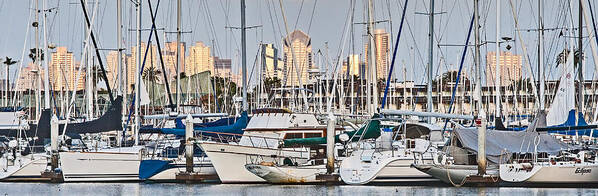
(326, 21)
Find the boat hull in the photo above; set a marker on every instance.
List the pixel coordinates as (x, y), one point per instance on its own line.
(381, 167)
(229, 160)
(26, 168)
(453, 174)
(168, 172)
(99, 166)
(287, 174)
(551, 174)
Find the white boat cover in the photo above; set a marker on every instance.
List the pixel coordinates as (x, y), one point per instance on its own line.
(500, 144)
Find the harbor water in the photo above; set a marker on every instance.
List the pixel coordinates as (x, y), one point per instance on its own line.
(22, 189)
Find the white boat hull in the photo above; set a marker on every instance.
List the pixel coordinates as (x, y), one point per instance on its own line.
(25, 168)
(229, 160)
(287, 174)
(369, 166)
(202, 168)
(401, 171)
(99, 166)
(543, 173)
(453, 174)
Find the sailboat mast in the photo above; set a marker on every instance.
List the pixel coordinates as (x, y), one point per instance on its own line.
(430, 104)
(481, 116)
(122, 89)
(541, 55)
(497, 72)
(580, 99)
(137, 76)
(37, 63)
(178, 56)
(244, 55)
(46, 73)
(373, 51)
(371, 64)
(121, 68)
(89, 76)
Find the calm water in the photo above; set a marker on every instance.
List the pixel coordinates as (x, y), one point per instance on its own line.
(22, 189)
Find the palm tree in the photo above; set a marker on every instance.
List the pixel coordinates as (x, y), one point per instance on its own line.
(33, 54)
(271, 83)
(562, 57)
(8, 62)
(152, 74)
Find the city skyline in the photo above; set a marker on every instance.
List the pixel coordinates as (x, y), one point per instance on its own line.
(449, 29)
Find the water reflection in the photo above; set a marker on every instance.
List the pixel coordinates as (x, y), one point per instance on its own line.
(263, 190)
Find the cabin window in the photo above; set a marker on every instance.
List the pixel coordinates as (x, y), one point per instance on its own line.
(410, 143)
(310, 135)
(293, 135)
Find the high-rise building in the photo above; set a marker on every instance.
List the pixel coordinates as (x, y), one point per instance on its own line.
(28, 78)
(169, 54)
(199, 59)
(351, 65)
(63, 71)
(270, 61)
(301, 44)
(222, 67)
(112, 68)
(381, 39)
(510, 68)
(151, 62)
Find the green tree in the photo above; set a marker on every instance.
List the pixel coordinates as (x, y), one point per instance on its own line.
(448, 80)
(33, 54)
(562, 57)
(224, 88)
(152, 74)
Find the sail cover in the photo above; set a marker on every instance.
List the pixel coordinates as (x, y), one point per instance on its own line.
(500, 144)
(212, 129)
(564, 98)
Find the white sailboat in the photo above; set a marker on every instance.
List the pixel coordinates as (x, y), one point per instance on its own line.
(568, 166)
(565, 168)
(390, 157)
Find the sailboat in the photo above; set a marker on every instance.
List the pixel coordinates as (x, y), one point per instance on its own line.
(572, 165)
(159, 166)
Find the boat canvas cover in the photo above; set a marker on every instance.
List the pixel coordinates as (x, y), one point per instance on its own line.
(373, 131)
(213, 129)
(503, 143)
(110, 121)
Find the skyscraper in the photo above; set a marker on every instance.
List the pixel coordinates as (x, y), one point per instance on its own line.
(351, 65)
(301, 44)
(63, 71)
(199, 59)
(381, 39)
(151, 61)
(169, 54)
(270, 61)
(28, 78)
(112, 68)
(510, 68)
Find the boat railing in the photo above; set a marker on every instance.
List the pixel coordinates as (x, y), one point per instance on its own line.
(236, 139)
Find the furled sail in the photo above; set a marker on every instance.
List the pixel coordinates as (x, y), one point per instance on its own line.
(564, 99)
